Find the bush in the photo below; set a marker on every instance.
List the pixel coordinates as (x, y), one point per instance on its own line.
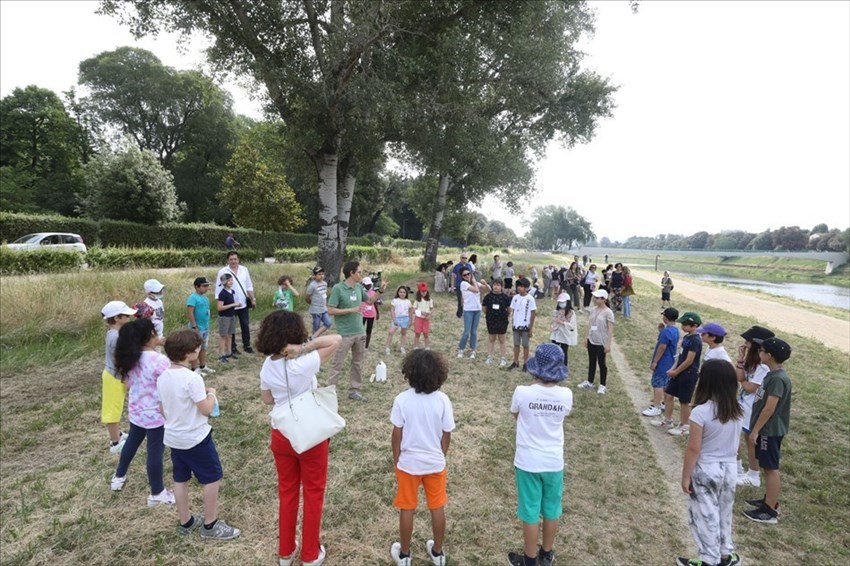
(13, 225)
(126, 258)
(367, 253)
(296, 255)
(24, 262)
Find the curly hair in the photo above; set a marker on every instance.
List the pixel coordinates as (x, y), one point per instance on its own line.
(132, 337)
(279, 329)
(425, 370)
(181, 343)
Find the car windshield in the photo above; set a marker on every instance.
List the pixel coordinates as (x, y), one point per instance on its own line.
(28, 239)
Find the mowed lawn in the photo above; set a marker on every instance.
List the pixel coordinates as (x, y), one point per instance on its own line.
(56, 504)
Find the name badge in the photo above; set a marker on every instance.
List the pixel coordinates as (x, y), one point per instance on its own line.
(353, 297)
(495, 307)
(594, 328)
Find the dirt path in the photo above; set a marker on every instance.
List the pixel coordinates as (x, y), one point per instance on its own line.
(832, 332)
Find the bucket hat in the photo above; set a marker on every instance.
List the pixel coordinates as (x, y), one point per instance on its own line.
(548, 363)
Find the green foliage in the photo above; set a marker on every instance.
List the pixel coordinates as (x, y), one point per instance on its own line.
(131, 185)
(25, 262)
(161, 258)
(296, 255)
(13, 225)
(555, 227)
(352, 252)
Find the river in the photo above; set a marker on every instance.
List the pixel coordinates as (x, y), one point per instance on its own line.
(822, 294)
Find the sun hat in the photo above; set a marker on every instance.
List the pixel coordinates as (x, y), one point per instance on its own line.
(366, 281)
(422, 286)
(317, 270)
(670, 313)
(690, 318)
(779, 349)
(712, 328)
(548, 363)
(757, 334)
(602, 293)
(201, 281)
(115, 308)
(153, 286)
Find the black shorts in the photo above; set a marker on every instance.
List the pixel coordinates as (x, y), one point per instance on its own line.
(682, 387)
(497, 328)
(768, 449)
(665, 295)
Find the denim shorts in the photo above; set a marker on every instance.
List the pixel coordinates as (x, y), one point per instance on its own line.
(201, 460)
(205, 336)
(401, 322)
(521, 338)
(323, 319)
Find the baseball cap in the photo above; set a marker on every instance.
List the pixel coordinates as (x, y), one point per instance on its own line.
(317, 269)
(201, 281)
(422, 286)
(779, 349)
(114, 308)
(670, 313)
(602, 293)
(153, 286)
(366, 281)
(757, 334)
(563, 298)
(712, 328)
(690, 318)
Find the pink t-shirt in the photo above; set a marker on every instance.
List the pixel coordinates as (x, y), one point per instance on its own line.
(143, 400)
(366, 309)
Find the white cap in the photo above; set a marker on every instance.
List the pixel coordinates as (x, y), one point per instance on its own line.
(114, 308)
(563, 298)
(602, 293)
(367, 281)
(153, 286)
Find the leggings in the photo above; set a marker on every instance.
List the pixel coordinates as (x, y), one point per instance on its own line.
(155, 451)
(566, 350)
(368, 322)
(596, 353)
(587, 291)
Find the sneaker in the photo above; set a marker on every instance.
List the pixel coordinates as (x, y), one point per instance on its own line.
(318, 561)
(472, 355)
(395, 552)
(166, 497)
(651, 411)
(503, 363)
(289, 560)
(223, 360)
(436, 560)
(387, 350)
(750, 479)
(682, 561)
(206, 370)
(356, 396)
(488, 361)
(249, 350)
(197, 523)
(681, 430)
(544, 559)
(117, 484)
(732, 560)
(403, 350)
(516, 559)
(525, 367)
(234, 355)
(199, 371)
(460, 353)
(763, 514)
(662, 422)
(116, 448)
(755, 502)
(585, 385)
(514, 365)
(602, 389)
(220, 531)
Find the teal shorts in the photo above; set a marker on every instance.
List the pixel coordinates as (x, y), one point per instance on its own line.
(539, 493)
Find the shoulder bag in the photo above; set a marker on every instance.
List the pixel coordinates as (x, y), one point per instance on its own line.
(248, 302)
(308, 419)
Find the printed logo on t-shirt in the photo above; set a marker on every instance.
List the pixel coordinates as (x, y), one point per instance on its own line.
(546, 408)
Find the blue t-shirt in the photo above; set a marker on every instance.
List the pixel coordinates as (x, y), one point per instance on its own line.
(456, 271)
(202, 310)
(669, 336)
(691, 343)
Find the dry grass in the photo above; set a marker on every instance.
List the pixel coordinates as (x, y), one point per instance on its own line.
(57, 508)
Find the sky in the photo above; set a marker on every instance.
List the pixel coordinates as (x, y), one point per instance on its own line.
(730, 115)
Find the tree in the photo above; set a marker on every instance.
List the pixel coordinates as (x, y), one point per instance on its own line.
(554, 227)
(130, 185)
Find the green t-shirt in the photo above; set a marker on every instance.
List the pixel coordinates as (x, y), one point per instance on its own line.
(345, 297)
(284, 300)
(777, 384)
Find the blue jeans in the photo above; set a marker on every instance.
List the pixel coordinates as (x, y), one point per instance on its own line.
(627, 307)
(470, 329)
(155, 451)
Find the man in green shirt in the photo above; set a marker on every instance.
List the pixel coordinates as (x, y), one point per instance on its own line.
(344, 306)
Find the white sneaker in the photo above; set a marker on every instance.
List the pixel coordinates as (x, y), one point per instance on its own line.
(681, 430)
(602, 389)
(460, 353)
(166, 497)
(206, 370)
(585, 385)
(488, 361)
(116, 448)
(651, 411)
(318, 561)
(403, 350)
(503, 363)
(662, 422)
(199, 371)
(750, 479)
(436, 560)
(387, 350)
(472, 355)
(395, 552)
(289, 560)
(117, 484)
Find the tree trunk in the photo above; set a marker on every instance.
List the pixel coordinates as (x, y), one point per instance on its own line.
(429, 261)
(330, 248)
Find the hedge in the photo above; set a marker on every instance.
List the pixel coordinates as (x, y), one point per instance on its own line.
(23, 262)
(352, 252)
(125, 258)
(13, 225)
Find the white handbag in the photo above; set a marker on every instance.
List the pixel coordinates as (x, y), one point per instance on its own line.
(308, 419)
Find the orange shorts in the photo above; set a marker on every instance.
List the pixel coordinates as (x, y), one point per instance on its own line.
(408, 490)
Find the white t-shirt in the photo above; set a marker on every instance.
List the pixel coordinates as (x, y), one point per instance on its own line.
(590, 278)
(401, 307)
(471, 299)
(244, 277)
(179, 392)
(424, 418)
(423, 307)
(522, 308)
(718, 353)
(158, 313)
(719, 440)
(540, 426)
(301, 372)
(746, 399)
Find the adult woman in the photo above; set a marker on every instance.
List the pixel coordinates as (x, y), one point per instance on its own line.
(588, 284)
(666, 287)
(628, 291)
(470, 291)
(600, 333)
(555, 284)
(473, 264)
(615, 287)
(440, 279)
(573, 282)
(290, 370)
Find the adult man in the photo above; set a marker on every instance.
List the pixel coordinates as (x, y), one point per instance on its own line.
(456, 271)
(344, 306)
(230, 242)
(243, 287)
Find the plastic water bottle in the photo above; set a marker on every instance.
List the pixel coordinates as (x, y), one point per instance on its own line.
(215, 411)
(381, 372)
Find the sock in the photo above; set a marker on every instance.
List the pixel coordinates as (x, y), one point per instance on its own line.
(403, 555)
(753, 473)
(203, 367)
(211, 525)
(114, 442)
(544, 554)
(188, 523)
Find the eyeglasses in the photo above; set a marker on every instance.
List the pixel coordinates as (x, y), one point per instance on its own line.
(464, 274)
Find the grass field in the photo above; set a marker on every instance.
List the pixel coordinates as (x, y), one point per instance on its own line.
(56, 506)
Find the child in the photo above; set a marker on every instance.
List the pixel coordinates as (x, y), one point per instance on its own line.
(662, 360)
(186, 404)
(751, 374)
(116, 314)
(400, 311)
(496, 305)
(369, 309)
(317, 297)
(708, 472)
(564, 332)
(523, 310)
(509, 275)
(153, 307)
(226, 304)
(683, 377)
(140, 366)
(666, 288)
(769, 425)
(423, 421)
(540, 409)
(712, 335)
(423, 306)
(284, 297)
(600, 337)
(198, 309)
